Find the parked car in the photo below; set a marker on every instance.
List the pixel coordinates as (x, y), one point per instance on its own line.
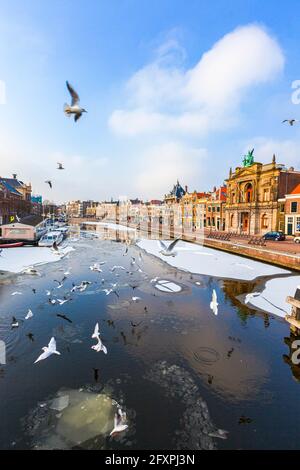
(297, 239)
(277, 236)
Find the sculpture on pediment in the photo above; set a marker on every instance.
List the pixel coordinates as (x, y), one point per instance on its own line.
(248, 159)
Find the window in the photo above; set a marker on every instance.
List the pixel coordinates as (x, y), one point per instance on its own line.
(231, 220)
(294, 206)
(282, 205)
(264, 221)
(266, 195)
(248, 193)
(17, 231)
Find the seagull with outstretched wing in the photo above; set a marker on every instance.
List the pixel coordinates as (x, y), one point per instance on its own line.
(75, 108)
(291, 122)
(168, 250)
(48, 350)
(99, 346)
(119, 422)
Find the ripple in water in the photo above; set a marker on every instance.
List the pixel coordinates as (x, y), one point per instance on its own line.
(206, 355)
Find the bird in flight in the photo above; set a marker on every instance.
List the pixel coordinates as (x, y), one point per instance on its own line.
(99, 346)
(75, 108)
(49, 182)
(60, 166)
(214, 302)
(168, 250)
(290, 121)
(119, 422)
(48, 350)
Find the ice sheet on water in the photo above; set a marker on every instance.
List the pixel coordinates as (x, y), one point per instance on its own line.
(201, 260)
(273, 297)
(167, 286)
(16, 260)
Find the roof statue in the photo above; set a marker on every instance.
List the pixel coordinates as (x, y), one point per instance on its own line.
(248, 159)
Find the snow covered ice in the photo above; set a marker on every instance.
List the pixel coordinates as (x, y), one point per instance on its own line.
(198, 259)
(15, 260)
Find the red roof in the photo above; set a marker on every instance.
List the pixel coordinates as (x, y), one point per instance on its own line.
(296, 190)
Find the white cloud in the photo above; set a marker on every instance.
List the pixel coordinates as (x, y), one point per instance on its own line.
(161, 165)
(165, 97)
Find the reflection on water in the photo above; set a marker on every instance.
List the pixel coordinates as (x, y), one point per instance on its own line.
(199, 380)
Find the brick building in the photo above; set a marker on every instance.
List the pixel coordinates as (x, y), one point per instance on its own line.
(292, 212)
(15, 199)
(253, 195)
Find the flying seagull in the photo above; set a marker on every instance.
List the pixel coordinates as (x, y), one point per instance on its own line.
(99, 346)
(168, 250)
(48, 350)
(250, 296)
(119, 422)
(14, 323)
(290, 121)
(49, 182)
(29, 315)
(31, 270)
(60, 166)
(75, 108)
(214, 302)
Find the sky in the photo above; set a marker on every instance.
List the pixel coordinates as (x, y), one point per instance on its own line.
(174, 90)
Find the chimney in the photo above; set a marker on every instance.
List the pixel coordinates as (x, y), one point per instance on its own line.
(15, 176)
(186, 188)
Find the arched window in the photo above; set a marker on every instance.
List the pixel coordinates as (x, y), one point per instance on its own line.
(248, 192)
(231, 220)
(264, 221)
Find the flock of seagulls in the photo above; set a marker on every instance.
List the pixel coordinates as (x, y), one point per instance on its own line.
(74, 109)
(50, 350)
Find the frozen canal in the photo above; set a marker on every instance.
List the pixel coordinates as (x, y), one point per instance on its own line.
(187, 378)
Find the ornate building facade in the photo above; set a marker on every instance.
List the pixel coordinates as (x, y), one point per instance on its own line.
(252, 205)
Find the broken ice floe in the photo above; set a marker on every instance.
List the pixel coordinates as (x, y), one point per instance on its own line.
(81, 418)
(195, 427)
(167, 286)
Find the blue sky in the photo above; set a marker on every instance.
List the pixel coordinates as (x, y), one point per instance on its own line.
(173, 89)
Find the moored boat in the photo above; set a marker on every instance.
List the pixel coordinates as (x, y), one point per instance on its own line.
(11, 245)
(50, 237)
